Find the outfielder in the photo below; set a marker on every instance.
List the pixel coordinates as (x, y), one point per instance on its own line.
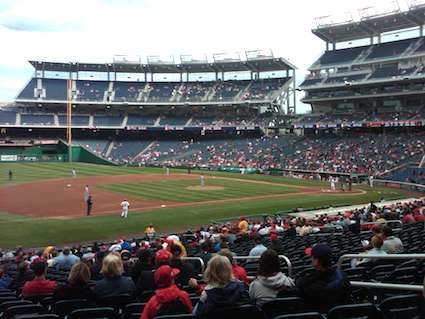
(124, 208)
(73, 173)
(86, 193)
(332, 183)
(202, 180)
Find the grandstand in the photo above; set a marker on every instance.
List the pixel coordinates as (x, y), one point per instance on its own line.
(379, 84)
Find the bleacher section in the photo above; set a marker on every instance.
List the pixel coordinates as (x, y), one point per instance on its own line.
(77, 120)
(340, 56)
(159, 92)
(135, 120)
(128, 91)
(96, 146)
(107, 120)
(390, 49)
(37, 119)
(55, 89)
(91, 90)
(28, 92)
(124, 151)
(8, 117)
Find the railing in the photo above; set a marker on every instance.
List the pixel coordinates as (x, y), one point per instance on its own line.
(379, 285)
(283, 257)
(196, 259)
(401, 185)
(389, 256)
(395, 221)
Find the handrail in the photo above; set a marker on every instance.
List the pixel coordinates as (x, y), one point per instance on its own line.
(380, 285)
(391, 221)
(283, 257)
(386, 181)
(388, 256)
(198, 259)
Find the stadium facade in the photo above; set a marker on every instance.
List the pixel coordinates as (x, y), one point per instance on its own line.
(380, 84)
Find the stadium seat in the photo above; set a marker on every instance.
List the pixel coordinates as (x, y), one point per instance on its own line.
(65, 307)
(364, 311)
(400, 307)
(11, 312)
(37, 298)
(94, 313)
(188, 316)
(5, 305)
(244, 311)
(133, 309)
(42, 316)
(282, 306)
(117, 302)
(304, 315)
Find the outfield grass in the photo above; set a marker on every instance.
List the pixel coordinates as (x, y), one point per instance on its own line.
(29, 232)
(176, 190)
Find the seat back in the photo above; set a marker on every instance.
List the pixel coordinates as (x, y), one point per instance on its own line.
(407, 306)
(244, 311)
(304, 315)
(282, 306)
(186, 316)
(94, 313)
(363, 311)
(65, 307)
(23, 310)
(117, 302)
(133, 309)
(5, 305)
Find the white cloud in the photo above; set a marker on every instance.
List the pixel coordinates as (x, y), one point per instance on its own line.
(95, 30)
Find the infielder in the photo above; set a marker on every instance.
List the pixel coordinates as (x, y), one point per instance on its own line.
(167, 171)
(371, 180)
(124, 208)
(73, 173)
(332, 183)
(202, 180)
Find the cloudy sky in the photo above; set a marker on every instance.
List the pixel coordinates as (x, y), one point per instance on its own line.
(95, 30)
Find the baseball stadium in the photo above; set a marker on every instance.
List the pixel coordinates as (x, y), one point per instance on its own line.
(178, 170)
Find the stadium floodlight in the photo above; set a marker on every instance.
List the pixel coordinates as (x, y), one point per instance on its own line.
(390, 7)
(333, 20)
(122, 58)
(415, 4)
(227, 57)
(195, 59)
(157, 59)
(259, 54)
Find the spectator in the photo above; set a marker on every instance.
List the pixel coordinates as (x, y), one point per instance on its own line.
(144, 263)
(327, 286)
(113, 283)
(222, 289)
(185, 268)
(3, 281)
(376, 243)
(392, 244)
(39, 285)
(24, 275)
(168, 299)
(259, 247)
(77, 286)
(150, 231)
(243, 225)
(270, 280)
(65, 260)
(205, 254)
(238, 272)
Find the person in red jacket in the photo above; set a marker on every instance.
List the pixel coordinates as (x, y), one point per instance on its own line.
(39, 285)
(238, 272)
(168, 299)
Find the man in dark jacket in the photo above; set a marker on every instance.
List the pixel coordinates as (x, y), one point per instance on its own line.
(24, 275)
(186, 269)
(327, 286)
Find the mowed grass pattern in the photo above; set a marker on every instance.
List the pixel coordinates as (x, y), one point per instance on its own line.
(176, 190)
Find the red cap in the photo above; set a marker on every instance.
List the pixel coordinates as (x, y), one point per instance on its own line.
(162, 256)
(164, 276)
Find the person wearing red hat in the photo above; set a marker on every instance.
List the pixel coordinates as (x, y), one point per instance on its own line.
(168, 298)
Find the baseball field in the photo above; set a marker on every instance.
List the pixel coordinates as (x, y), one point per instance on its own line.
(43, 204)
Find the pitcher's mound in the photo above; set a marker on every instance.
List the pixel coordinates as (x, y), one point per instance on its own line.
(205, 188)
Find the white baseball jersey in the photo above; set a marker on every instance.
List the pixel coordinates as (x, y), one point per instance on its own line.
(125, 205)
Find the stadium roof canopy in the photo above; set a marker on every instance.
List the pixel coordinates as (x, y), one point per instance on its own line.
(254, 65)
(370, 26)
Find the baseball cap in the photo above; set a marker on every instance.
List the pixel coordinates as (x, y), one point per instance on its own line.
(162, 256)
(323, 253)
(164, 276)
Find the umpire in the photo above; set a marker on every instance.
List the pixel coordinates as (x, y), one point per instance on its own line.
(89, 205)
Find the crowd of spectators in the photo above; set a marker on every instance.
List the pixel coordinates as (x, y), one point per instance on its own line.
(153, 268)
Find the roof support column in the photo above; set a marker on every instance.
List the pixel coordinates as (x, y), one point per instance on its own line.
(333, 46)
(379, 38)
(371, 40)
(421, 30)
(146, 77)
(327, 46)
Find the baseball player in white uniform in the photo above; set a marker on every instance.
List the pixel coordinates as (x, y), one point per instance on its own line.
(124, 208)
(73, 173)
(332, 183)
(202, 180)
(86, 193)
(167, 171)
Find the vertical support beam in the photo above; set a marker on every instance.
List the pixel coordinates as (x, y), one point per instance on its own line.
(421, 31)
(379, 38)
(371, 40)
(333, 46)
(69, 118)
(327, 46)
(295, 93)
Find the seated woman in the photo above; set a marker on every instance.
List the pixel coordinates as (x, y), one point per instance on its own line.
(77, 286)
(270, 280)
(113, 282)
(222, 290)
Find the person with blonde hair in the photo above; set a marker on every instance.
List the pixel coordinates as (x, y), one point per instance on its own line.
(77, 286)
(113, 282)
(222, 289)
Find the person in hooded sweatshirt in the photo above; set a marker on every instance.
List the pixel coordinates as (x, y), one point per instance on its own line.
(270, 280)
(168, 298)
(222, 290)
